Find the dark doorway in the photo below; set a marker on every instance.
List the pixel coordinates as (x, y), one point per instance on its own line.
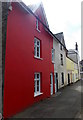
(56, 82)
(68, 79)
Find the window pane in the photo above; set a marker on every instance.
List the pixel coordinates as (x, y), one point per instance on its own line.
(37, 49)
(37, 82)
(38, 54)
(37, 88)
(37, 76)
(37, 42)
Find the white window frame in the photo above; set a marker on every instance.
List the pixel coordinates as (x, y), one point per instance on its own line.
(53, 55)
(35, 47)
(35, 84)
(51, 82)
(37, 25)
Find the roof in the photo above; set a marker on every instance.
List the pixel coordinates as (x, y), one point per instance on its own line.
(71, 59)
(34, 7)
(60, 36)
(72, 51)
(28, 10)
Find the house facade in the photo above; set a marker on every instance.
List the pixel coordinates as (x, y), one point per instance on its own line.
(59, 61)
(72, 71)
(29, 71)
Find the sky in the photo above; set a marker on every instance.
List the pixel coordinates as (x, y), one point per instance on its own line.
(64, 16)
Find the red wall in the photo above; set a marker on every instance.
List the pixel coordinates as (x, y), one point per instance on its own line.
(20, 63)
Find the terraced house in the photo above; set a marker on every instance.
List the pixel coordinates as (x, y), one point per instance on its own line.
(59, 60)
(29, 71)
(72, 70)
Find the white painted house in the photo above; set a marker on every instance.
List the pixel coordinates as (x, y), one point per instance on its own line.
(59, 61)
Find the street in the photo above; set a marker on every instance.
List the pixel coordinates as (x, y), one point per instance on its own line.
(65, 104)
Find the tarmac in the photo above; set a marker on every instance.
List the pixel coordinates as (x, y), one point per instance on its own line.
(66, 103)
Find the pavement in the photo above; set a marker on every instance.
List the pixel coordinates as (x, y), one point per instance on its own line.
(66, 103)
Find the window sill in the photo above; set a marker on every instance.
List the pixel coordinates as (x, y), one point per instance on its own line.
(62, 84)
(53, 62)
(38, 30)
(38, 58)
(37, 94)
(61, 64)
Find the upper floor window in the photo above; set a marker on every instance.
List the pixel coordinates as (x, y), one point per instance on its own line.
(61, 59)
(61, 47)
(53, 53)
(37, 48)
(37, 25)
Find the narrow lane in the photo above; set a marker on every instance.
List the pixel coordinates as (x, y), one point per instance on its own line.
(65, 104)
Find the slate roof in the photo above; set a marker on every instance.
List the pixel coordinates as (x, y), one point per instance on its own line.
(60, 36)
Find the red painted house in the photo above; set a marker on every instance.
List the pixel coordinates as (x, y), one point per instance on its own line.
(28, 61)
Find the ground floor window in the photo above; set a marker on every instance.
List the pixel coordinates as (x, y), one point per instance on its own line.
(62, 78)
(51, 83)
(36, 83)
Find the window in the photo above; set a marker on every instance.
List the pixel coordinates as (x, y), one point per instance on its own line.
(53, 53)
(37, 48)
(61, 47)
(62, 78)
(61, 59)
(51, 82)
(37, 25)
(81, 68)
(36, 83)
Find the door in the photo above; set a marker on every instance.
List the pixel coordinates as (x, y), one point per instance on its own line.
(51, 83)
(56, 82)
(68, 78)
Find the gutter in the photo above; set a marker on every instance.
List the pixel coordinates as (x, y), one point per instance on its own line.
(72, 60)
